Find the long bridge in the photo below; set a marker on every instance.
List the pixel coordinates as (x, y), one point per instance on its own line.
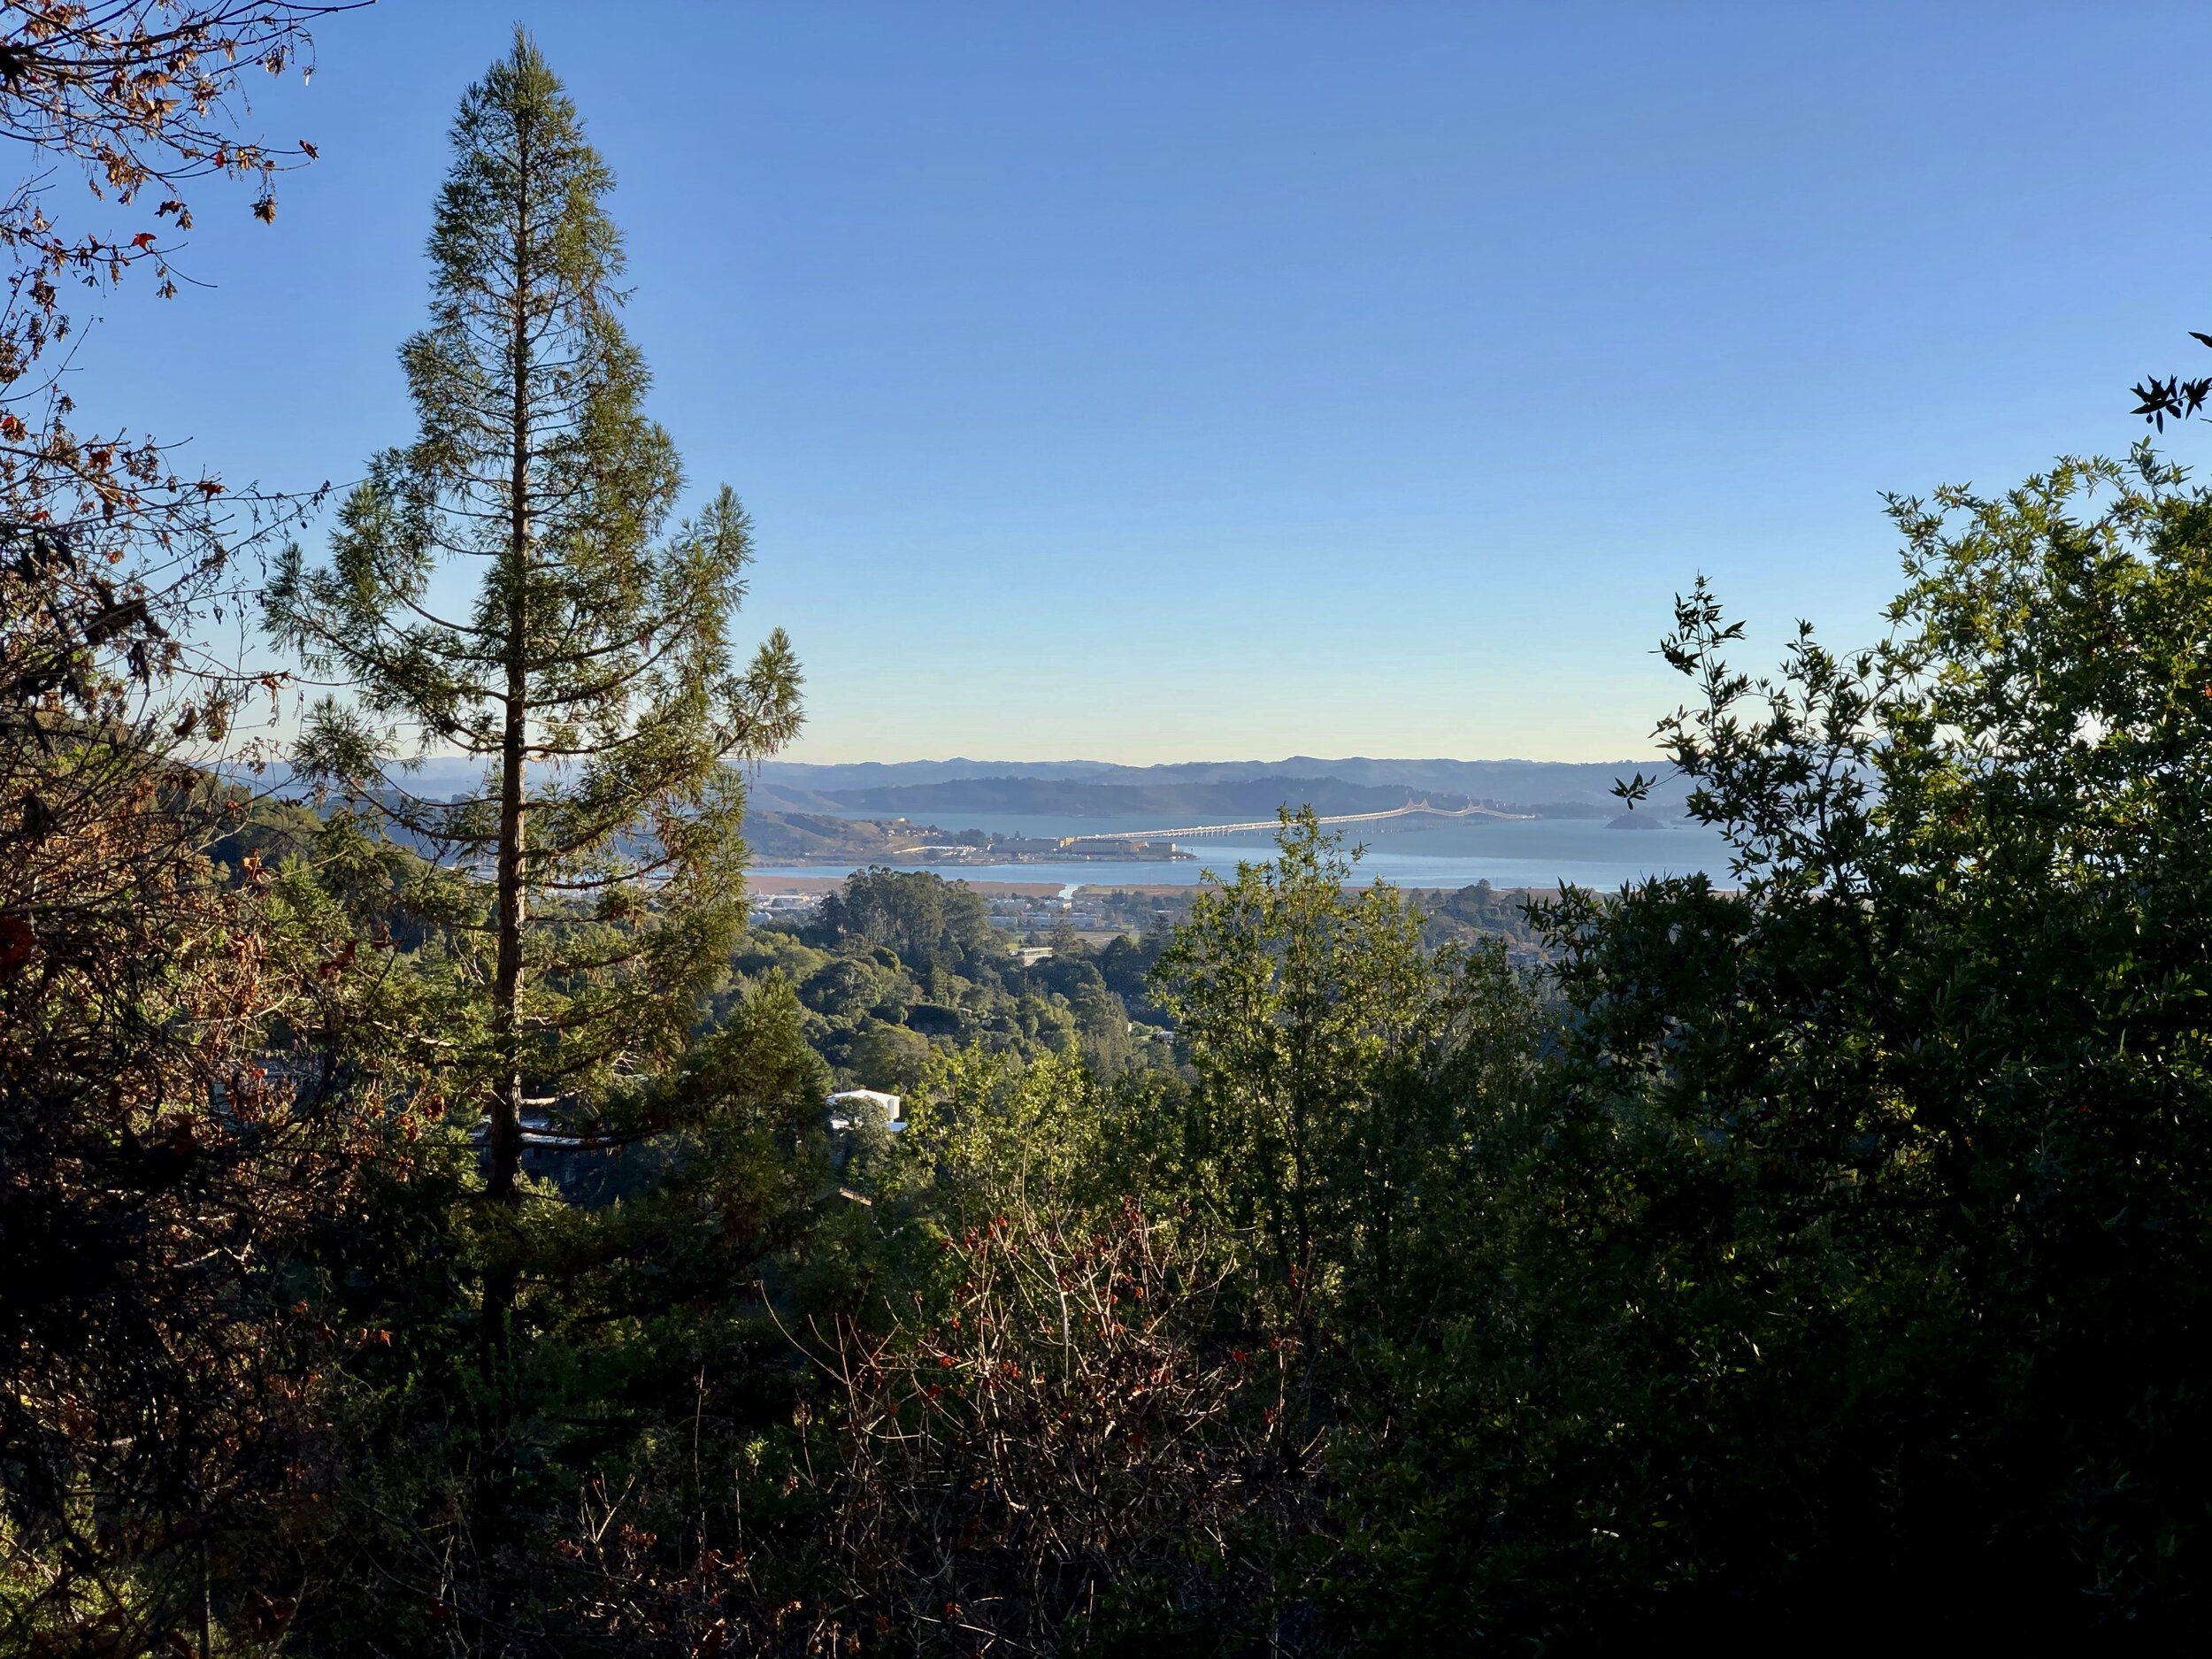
(1191, 832)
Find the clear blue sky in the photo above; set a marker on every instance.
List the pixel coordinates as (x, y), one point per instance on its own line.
(1155, 382)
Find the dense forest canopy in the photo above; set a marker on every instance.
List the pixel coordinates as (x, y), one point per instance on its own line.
(426, 1232)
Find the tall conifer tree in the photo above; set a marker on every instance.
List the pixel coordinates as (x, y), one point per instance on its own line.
(591, 667)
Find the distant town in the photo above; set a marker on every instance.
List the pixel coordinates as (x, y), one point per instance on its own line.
(803, 838)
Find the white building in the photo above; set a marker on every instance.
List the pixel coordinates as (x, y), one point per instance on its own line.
(846, 1105)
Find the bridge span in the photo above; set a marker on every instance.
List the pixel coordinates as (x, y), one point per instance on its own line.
(1191, 832)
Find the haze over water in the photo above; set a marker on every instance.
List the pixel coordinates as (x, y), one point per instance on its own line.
(1454, 853)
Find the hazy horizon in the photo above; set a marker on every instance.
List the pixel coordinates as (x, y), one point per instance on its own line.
(785, 762)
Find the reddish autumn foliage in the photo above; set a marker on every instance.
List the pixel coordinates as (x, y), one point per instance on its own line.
(151, 1163)
(1069, 1450)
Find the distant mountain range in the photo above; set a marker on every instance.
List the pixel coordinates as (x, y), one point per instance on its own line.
(1197, 791)
(1070, 798)
(1187, 792)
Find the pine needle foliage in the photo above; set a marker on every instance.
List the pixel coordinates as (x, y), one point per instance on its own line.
(594, 880)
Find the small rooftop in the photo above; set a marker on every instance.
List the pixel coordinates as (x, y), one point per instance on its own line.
(843, 1103)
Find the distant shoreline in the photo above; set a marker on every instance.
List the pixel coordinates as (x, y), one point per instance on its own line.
(998, 889)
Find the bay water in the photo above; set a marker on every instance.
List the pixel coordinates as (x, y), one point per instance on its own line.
(1415, 852)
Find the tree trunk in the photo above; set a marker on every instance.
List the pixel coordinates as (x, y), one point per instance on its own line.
(506, 1117)
(506, 1106)
(505, 1127)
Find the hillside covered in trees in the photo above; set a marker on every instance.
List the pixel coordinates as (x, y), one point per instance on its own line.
(1200, 794)
(1822, 1246)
